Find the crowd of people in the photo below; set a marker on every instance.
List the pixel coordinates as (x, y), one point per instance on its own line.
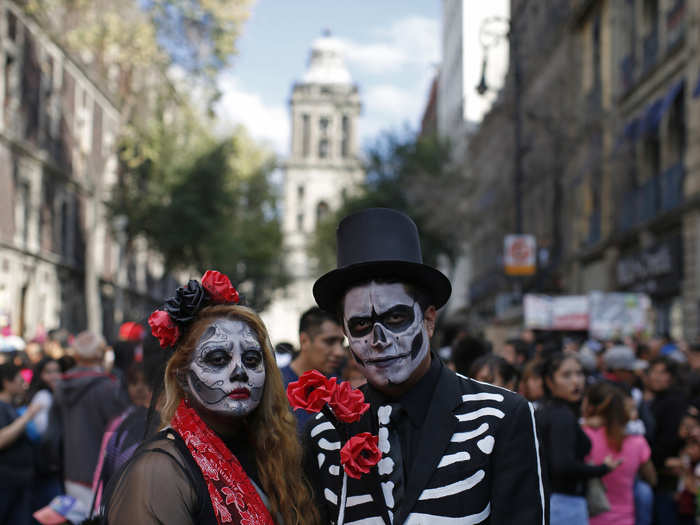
(184, 419)
(624, 412)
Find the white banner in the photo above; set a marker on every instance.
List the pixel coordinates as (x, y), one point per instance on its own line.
(564, 312)
(617, 314)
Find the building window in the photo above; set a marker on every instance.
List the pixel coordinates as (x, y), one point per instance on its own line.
(64, 239)
(300, 221)
(323, 148)
(345, 137)
(677, 130)
(651, 155)
(11, 26)
(23, 211)
(323, 124)
(321, 211)
(300, 192)
(650, 44)
(305, 135)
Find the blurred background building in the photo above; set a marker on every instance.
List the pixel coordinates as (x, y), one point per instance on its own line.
(594, 137)
(324, 165)
(63, 262)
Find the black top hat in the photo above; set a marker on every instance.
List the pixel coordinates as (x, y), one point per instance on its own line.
(379, 243)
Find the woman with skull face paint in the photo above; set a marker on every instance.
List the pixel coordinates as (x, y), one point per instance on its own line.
(228, 453)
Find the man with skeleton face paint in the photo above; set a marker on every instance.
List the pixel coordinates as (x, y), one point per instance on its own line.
(387, 331)
(452, 448)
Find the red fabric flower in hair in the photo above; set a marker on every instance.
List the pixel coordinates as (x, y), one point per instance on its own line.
(348, 403)
(360, 454)
(163, 327)
(219, 287)
(311, 392)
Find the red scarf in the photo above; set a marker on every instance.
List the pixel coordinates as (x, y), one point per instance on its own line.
(232, 494)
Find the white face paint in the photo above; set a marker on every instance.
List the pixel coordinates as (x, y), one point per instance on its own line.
(385, 331)
(227, 371)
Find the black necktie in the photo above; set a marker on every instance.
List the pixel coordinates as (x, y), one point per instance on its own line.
(392, 472)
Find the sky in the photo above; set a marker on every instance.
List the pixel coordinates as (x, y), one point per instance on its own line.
(392, 50)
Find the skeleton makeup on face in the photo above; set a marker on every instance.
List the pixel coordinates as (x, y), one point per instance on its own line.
(227, 371)
(385, 331)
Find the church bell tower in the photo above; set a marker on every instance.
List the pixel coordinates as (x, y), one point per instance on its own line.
(323, 165)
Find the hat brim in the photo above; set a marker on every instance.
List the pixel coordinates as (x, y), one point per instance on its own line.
(331, 287)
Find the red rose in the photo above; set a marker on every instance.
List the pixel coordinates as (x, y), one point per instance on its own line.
(219, 287)
(360, 454)
(348, 403)
(163, 327)
(311, 392)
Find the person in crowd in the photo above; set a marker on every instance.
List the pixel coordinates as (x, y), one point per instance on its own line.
(85, 401)
(45, 377)
(453, 450)
(606, 417)
(67, 362)
(125, 432)
(16, 454)
(686, 467)
(320, 348)
(34, 352)
(284, 353)
(57, 343)
(621, 368)
(467, 350)
(353, 373)
(667, 404)
(451, 333)
(564, 443)
(496, 370)
(532, 383)
(229, 453)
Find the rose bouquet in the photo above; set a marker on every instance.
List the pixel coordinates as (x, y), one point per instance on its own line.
(340, 403)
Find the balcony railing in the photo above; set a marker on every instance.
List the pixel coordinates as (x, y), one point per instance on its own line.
(675, 23)
(651, 49)
(657, 195)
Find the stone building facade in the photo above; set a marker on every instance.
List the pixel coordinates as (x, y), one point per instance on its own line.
(323, 165)
(62, 263)
(609, 115)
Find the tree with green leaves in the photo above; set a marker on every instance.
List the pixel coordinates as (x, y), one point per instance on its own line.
(208, 205)
(412, 174)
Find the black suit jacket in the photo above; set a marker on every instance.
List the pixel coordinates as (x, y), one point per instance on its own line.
(477, 462)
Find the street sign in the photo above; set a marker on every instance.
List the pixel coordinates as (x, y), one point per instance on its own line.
(520, 254)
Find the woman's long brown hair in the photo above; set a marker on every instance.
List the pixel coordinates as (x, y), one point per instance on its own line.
(272, 428)
(608, 402)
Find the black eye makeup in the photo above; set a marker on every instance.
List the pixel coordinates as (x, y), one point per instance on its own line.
(251, 358)
(395, 319)
(218, 358)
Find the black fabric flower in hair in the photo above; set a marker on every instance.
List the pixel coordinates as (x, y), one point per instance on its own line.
(187, 301)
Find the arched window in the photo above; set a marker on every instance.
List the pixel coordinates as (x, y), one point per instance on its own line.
(322, 211)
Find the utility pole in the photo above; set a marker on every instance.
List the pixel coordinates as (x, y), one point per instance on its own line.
(517, 125)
